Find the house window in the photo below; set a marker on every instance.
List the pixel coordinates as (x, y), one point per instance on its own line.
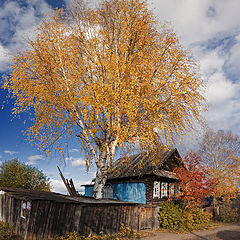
(156, 189)
(107, 192)
(164, 189)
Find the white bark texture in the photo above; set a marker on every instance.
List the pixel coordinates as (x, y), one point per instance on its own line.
(101, 175)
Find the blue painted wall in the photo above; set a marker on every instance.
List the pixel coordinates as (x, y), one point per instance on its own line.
(88, 191)
(130, 191)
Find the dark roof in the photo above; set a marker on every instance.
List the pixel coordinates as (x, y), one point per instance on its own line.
(36, 195)
(144, 164)
(32, 195)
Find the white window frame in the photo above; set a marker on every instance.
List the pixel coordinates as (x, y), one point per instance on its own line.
(164, 189)
(156, 189)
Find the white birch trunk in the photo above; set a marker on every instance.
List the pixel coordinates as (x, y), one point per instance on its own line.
(100, 181)
(106, 156)
(101, 175)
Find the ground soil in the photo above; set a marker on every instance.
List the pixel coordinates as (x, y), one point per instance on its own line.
(227, 232)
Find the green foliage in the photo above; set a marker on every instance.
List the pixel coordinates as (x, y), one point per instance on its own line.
(6, 232)
(172, 216)
(200, 218)
(228, 214)
(18, 175)
(125, 233)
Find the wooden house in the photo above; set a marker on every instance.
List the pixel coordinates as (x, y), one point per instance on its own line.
(145, 178)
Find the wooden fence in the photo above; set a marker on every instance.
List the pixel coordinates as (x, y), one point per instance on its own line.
(46, 217)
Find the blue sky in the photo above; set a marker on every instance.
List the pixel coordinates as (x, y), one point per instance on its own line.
(210, 29)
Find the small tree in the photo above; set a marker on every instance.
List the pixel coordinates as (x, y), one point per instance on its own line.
(18, 175)
(110, 76)
(194, 181)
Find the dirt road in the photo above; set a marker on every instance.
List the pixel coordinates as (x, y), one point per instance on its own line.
(228, 232)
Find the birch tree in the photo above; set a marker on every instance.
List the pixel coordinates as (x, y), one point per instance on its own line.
(110, 76)
(220, 153)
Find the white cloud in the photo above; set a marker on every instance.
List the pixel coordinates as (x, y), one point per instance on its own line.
(222, 92)
(199, 20)
(17, 23)
(10, 152)
(211, 61)
(78, 162)
(79, 187)
(75, 162)
(74, 150)
(234, 58)
(93, 173)
(68, 2)
(4, 58)
(211, 30)
(50, 174)
(220, 89)
(32, 160)
(58, 186)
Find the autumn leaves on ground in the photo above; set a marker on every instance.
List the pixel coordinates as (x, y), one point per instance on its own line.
(117, 81)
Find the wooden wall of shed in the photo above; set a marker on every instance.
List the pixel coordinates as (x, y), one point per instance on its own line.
(10, 211)
(48, 218)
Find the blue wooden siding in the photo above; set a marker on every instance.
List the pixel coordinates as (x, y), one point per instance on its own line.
(130, 191)
(88, 191)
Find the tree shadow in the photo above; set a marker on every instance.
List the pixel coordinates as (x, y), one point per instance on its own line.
(196, 237)
(228, 235)
(221, 235)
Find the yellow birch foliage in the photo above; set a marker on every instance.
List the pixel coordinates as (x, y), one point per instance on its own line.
(110, 76)
(221, 155)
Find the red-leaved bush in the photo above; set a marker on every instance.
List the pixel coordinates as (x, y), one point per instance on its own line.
(194, 181)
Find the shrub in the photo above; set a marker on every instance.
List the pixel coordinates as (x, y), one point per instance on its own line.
(200, 218)
(228, 214)
(6, 232)
(172, 216)
(125, 233)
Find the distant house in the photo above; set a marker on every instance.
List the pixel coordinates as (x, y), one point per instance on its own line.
(142, 178)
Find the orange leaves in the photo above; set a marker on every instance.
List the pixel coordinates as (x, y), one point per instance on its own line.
(194, 181)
